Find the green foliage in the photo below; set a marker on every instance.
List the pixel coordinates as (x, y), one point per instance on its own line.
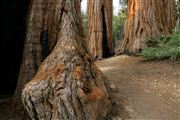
(123, 4)
(177, 9)
(84, 20)
(118, 26)
(177, 14)
(164, 47)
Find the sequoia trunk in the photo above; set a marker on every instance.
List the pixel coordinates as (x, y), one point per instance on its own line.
(41, 36)
(67, 85)
(146, 18)
(100, 28)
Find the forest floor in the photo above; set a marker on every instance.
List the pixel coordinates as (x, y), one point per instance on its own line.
(141, 90)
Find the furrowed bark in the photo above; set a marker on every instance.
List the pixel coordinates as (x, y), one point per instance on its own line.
(99, 38)
(67, 85)
(41, 36)
(145, 19)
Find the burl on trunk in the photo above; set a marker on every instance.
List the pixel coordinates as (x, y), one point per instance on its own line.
(67, 85)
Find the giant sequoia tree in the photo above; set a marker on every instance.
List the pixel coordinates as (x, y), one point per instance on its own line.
(67, 85)
(41, 36)
(99, 38)
(146, 18)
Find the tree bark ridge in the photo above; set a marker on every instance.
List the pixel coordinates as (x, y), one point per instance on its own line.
(99, 38)
(145, 19)
(41, 37)
(68, 85)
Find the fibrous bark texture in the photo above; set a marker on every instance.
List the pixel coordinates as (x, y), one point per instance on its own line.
(146, 18)
(99, 38)
(41, 36)
(67, 85)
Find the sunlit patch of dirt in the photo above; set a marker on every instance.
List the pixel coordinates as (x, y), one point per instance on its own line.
(143, 90)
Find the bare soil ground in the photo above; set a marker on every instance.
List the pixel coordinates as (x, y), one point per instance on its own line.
(140, 90)
(143, 90)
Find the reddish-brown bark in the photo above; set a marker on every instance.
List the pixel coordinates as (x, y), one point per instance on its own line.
(41, 36)
(99, 38)
(146, 18)
(67, 85)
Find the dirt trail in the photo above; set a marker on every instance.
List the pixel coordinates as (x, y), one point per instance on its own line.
(143, 90)
(140, 90)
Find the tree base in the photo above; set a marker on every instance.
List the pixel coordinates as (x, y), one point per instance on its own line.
(74, 90)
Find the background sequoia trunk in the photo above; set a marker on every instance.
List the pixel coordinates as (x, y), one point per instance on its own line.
(67, 85)
(100, 28)
(41, 36)
(146, 18)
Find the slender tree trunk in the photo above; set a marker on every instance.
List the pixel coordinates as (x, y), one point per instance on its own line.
(41, 36)
(67, 85)
(146, 18)
(99, 40)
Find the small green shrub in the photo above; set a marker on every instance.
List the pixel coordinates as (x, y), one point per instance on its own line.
(164, 47)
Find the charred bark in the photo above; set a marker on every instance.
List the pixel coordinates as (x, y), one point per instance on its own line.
(41, 36)
(45, 50)
(67, 85)
(145, 19)
(99, 38)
